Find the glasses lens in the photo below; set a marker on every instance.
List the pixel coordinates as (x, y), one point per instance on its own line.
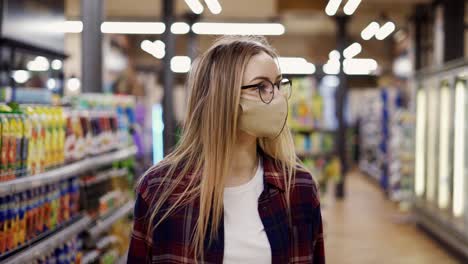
(265, 89)
(285, 88)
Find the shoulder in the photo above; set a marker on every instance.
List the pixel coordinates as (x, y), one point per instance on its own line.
(163, 179)
(305, 188)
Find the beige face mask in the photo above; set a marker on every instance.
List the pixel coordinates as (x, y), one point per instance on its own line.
(263, 120)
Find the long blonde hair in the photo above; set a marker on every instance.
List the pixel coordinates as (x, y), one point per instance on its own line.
(210, 131)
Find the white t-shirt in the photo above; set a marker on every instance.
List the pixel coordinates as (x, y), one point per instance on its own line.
(245, 240)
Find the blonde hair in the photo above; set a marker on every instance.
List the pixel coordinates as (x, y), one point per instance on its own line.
(203, 156)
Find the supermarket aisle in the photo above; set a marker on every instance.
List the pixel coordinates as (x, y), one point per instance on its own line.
(367, 228)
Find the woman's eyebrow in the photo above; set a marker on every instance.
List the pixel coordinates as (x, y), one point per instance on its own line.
(264, 78)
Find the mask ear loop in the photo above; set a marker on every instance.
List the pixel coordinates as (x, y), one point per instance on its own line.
(285, 120)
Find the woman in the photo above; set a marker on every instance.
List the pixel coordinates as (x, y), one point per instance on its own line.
(233, 190)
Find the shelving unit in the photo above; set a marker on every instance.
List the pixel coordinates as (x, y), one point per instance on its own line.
(56, 239)
(104, 224)
(64, 172)
(441, 160)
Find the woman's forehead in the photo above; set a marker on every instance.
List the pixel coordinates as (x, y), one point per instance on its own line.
(261, 64)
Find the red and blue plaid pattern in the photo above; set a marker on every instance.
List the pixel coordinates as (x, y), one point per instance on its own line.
(301, 242)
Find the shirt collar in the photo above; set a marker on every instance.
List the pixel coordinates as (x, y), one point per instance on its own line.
(273, 174)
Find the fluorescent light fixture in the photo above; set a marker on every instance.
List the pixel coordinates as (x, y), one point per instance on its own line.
(295, 65)
(157, 129)
(205, 28)
(180, 64)
(353, 50)
(351, 6)
(385, 30)
(332, 67)
(40, 63)
(334, 55)
(70, 26)
(459, 149)
(57, 64)
(21, 76)
(332, 7)
(359, 66)
(195, 6)
(331, 81)
(214, 6)
(432, 131)
(444, 148)
(73, 84)
(370, 31)
(403, 67)
(420, 166)
(180, 28)
(156, 48)
(133, 27)
(51, 84)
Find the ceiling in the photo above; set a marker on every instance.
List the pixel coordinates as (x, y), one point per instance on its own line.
(309, 33)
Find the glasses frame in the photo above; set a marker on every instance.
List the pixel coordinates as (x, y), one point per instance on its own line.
(277, 84)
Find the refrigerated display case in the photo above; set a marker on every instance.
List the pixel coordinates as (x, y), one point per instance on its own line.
(441, 147)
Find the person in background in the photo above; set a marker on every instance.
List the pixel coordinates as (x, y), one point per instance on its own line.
(232, 190)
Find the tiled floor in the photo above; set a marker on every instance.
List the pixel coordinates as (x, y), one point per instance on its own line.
(367, 228)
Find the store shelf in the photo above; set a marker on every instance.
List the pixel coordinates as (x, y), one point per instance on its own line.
(307, 130)
(21, 45)
(90, 257)
(114, 173)
(55, 240)
(64, 172)
(104, 224)
(315, 155)
(444, 227)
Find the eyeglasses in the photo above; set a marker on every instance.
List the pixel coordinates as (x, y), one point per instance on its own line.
(266, 89)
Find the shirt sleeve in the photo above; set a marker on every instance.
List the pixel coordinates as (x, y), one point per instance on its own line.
(318, 249)
(140, 241)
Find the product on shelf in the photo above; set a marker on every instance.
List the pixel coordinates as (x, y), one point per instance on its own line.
(314, 143)
(27, 215)
(70, 252)
(97, 124)
(305, 105)
(104, 191)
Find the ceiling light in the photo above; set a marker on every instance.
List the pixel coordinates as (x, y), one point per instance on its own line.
(195, 6)
(56, 64)
(156, 48)
(332, 7)
(73, 84)
(332, 67)
(359, 66)
(334, 55)
(40, 63)
(180, 28)
(180, 64)
(213, 6)
(70, 27)
(351, 6)
(385, 31)
(353, 50)
(295, 65)
(370, 31)
(51, 84)
(21, 76)
(204, 28)
(133, 27)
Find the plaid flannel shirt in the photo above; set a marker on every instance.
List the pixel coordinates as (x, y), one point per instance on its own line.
(301, 242)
